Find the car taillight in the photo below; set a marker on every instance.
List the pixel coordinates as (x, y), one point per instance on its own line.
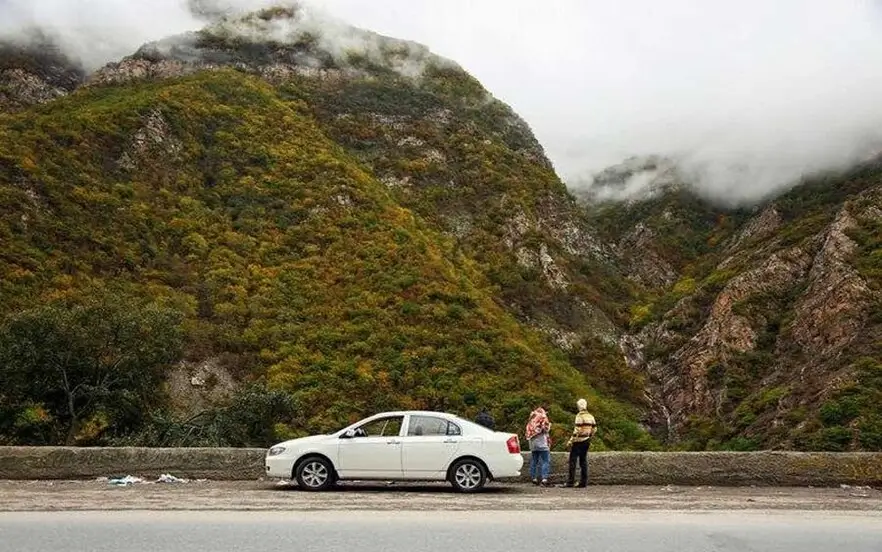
(514, 445)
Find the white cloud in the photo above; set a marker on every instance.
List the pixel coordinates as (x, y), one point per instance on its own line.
(750, 94)
(96, 31)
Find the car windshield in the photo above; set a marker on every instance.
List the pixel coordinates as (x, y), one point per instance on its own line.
(363, 424)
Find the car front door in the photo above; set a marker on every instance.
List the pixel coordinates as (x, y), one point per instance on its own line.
(428, 446)
(373, 452)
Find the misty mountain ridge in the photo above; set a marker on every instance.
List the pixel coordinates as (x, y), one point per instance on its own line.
(634, 179)
(35, 73)
(292, 35)
(419, 245)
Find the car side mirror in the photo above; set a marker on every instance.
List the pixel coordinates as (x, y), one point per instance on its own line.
(348, 434)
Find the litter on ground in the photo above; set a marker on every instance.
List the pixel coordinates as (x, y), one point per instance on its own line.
(125, 481)
(169, 478)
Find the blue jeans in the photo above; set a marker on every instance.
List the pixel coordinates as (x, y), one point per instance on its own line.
(540, 464)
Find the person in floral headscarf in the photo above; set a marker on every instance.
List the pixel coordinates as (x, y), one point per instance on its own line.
(538, 428)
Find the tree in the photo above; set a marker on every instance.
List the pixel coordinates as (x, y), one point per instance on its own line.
(99, 362)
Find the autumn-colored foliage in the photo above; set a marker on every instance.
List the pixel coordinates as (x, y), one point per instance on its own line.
(223, 199)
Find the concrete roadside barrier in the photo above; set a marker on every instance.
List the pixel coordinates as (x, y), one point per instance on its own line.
(768, 468)
(88, 463)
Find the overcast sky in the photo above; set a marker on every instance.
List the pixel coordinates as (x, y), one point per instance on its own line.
(752, 93)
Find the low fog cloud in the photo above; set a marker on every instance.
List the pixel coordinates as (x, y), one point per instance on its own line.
(747, 96)
(96, 32)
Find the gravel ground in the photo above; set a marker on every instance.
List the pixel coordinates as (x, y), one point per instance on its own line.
(268, 495)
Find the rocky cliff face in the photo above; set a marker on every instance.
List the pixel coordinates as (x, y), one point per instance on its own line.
(759, 337)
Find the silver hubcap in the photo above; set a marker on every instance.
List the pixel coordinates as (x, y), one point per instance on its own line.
(468, 476)
(314, 474)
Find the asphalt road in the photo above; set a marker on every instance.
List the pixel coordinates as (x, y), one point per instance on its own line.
(440, 531)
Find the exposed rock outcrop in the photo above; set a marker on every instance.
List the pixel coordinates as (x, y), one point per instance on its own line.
(641, 262)
(35, 72)
(837, 300)
(154, 139)
(772, 330)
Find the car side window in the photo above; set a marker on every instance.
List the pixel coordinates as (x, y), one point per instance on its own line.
(453, 429)
(430, 426)
(384, 427)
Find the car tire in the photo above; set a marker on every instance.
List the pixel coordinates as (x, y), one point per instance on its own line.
(468, 475)
(315, 474)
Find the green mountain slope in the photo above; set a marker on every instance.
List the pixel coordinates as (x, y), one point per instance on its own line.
(221, 198)
(446, 149)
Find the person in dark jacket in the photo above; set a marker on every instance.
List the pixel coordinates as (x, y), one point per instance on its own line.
(485, 419)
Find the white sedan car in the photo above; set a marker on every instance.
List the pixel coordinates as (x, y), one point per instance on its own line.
(414, 445)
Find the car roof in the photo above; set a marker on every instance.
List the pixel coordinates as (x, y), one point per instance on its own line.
(446, 415)
(415, 413)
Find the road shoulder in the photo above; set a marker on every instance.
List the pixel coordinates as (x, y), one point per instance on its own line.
(23, 496)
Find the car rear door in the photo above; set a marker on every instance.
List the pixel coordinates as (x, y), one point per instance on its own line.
(428, 446)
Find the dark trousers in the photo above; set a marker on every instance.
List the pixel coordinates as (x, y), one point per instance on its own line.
(579, 452)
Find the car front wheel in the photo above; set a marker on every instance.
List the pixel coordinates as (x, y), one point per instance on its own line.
(468, 476)
(315, 474)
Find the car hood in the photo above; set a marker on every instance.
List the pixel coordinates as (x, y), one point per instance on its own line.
(302, 441)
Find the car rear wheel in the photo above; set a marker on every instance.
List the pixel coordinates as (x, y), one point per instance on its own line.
(315, 474)
(468, 476)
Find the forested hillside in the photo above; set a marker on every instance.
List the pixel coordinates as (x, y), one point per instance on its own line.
(236, 206)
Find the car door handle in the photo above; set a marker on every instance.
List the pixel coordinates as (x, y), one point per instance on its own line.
(451, 440)
(393, 442)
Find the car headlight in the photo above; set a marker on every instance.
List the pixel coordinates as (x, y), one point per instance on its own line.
(275, 451)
